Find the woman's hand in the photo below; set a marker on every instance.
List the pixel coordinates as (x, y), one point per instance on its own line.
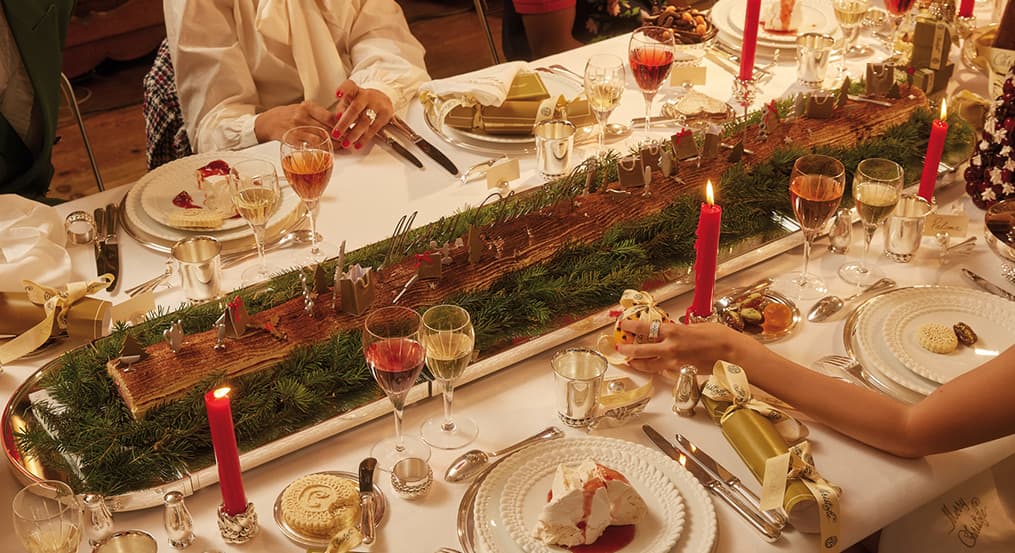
(355, 126)
(700, 345)
(273, 123)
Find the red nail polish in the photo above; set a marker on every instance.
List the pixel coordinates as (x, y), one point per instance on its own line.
(339, 93)
(358, 145)
(338, 115)
(345, 143)
(335, 135)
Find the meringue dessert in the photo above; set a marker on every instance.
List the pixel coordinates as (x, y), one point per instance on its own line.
(585, 498)
(782, 16)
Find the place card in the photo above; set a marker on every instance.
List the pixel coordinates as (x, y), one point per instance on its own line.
(955, 225)
(689, 75)
(502, 173)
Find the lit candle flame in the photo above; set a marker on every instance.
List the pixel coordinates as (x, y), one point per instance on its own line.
(944, 109)
(221, 392)
(709, 194)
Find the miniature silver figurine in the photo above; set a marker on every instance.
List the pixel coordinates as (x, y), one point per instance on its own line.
(177, 520)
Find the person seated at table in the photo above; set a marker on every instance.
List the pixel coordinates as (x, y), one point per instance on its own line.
(973, 408)
(32, 34)
(249, 70)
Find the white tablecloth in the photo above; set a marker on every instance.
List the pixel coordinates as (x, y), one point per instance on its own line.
(372, 188)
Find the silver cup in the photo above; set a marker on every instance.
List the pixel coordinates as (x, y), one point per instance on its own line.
(905, 227)
(554, 144)
(200, 261)
(128, 541)
(578, 378)
(812, 53)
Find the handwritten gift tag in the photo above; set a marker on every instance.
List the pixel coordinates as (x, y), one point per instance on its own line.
(501, 174)
(955, 225)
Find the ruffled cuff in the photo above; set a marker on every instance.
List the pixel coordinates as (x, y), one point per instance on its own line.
(234, 133)
(398, 100)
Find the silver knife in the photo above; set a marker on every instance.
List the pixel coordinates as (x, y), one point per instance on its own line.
(99, 216)
(366, 499)
(421, 143)
(769, 532)
(399, 149)
(988, 285)
(111, 246)
(719, 472)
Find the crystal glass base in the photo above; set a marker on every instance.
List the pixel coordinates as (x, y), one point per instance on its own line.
(257, 273)
(859, 51)
(464, 431)
(855, 273)
(305, 257)
(389, 451)
(801, 286)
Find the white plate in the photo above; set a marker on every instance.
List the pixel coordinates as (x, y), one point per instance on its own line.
(728, 17)
(158, 188)
(682, 518)
(992, 319)
(871, 348)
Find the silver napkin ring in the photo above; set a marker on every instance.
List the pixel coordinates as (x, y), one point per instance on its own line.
(80, 227)
(411, 478)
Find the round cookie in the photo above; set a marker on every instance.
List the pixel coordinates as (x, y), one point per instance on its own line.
(937, 338)
(309, 504)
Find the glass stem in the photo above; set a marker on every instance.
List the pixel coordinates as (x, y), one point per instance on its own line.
(602, 136)
(311, 207)
(399, 440)
(648, 110)
(868, 235)
(852, 35)
(259, 241)
(449, 396)
(808, 237)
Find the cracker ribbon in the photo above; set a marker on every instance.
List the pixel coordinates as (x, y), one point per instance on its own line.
(56, 304)
(637, 303)
(797, 463)
(728, 384)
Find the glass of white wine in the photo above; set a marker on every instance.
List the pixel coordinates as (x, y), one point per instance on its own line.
(877, 186)
(604, 85)
(256, 196)
(850, 14)
(449, 339)
(48, 517)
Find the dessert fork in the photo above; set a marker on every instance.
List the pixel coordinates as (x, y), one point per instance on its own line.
(856, 372)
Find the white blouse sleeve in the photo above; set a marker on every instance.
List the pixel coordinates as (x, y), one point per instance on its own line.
(383, 54)
(216, 90)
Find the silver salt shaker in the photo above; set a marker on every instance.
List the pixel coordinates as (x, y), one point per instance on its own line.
(686, 393)
(840, 233)
(178, 522)
(98, 519)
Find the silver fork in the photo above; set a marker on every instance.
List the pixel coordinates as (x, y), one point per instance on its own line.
(153, 283)
(852, 368)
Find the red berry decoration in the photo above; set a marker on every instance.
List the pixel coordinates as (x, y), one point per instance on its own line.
(990, 176)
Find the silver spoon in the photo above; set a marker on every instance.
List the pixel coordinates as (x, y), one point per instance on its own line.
(830, 305)
(613, 131)
(471, 462)
(298, 236)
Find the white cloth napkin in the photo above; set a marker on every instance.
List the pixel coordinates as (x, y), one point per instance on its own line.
(486, 87)
(32, 241)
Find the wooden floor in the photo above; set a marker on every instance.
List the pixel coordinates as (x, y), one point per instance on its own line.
(110, 97)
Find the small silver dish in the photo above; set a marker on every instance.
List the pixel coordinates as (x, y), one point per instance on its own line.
(127, 541)
(380, 506)
(411, 478)
(737, 295)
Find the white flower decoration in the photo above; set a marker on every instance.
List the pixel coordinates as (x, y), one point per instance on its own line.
(1007, 189)
(975, 161)
(984, 144)
(1010, 164)
(995, 175)
(988, 195)
(1006, 150)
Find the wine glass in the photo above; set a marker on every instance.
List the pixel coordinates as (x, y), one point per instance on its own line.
(604, 85)
(898, 9)
(815, 191)
(850, 14)
(650, 52)
(395, 356)
(307, 163)
(877, 186)
(48, 517)
(449, 338)
(254, 185)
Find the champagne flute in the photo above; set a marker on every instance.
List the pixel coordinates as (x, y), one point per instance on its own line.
(48, 517)
(604, 85)
(650, 53)
(877, 186)
(850, 14)
(815, 191)
(449, 338)
(395, 356)
(307, 163)
(255, 190)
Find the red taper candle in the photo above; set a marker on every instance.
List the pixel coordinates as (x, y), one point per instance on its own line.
(750, 43)
(966, 8)
(227, 456)
(706, 254)
(935, 147)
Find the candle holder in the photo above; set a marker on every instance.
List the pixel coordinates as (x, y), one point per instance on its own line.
(744, 93)
(690, 318)
(238, 528)
(964, 26)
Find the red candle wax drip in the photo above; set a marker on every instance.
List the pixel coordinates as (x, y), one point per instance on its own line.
(750, 43)
(935, 147)
(706, 255)
(227, 456)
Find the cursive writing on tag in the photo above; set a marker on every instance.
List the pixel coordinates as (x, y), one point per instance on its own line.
(954, 225)
(967, 519)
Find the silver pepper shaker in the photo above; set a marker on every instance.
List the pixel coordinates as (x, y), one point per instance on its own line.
(98, 519)
(178, 522)
(686, 393)
(840, 234)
